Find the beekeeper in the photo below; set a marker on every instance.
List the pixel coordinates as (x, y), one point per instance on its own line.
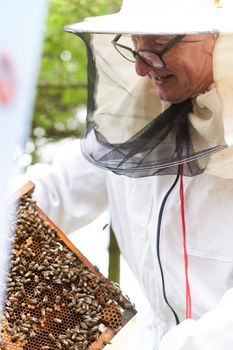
(160, 114)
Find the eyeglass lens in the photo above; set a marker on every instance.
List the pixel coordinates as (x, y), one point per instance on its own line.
(151, 58)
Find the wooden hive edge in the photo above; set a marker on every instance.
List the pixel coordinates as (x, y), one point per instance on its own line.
(28, 189)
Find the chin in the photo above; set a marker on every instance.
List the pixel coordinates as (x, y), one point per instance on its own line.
(172, 93)
(171, 98)
(174, 100)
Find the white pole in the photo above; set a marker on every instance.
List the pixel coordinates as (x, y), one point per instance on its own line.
(21, 32)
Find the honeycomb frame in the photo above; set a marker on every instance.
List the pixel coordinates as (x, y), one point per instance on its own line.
(101, 315)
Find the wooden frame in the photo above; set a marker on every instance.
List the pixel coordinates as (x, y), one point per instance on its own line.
(124, 304)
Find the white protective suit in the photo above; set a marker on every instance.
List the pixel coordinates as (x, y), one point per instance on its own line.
(73, 192)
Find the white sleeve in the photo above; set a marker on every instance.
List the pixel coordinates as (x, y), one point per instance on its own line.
(213, 331)
(71, 191)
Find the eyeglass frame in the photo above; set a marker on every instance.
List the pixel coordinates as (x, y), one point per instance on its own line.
(159, 54)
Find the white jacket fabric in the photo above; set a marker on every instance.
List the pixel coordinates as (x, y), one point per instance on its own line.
(73, 192)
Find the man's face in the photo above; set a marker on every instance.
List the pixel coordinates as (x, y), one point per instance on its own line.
(188, 67)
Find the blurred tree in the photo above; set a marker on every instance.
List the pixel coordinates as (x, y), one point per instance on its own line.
(62, 89)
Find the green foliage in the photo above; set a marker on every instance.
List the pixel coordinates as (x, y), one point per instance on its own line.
(62, 80)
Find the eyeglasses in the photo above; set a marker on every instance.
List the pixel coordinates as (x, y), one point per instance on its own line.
(151, 58)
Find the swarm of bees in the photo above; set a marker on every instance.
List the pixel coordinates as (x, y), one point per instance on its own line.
(56, 299)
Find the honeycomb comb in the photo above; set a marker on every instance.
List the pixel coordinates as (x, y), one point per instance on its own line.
(55, 298)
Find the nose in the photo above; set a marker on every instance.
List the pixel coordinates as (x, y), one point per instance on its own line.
(141, 67)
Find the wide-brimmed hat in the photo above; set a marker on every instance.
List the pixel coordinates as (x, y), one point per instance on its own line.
(162, 17)
(132, 132)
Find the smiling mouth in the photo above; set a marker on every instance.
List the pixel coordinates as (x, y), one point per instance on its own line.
(163, 78)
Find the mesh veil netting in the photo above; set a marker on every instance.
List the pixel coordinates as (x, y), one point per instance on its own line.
(132, 132)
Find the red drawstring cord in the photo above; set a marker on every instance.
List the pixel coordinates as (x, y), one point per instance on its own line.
(182, 211)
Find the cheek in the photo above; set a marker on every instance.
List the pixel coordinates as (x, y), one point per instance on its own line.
(183, 72)
(177, 66)
(200, 74)
(188, 75)
(184, 66)
(195, 72)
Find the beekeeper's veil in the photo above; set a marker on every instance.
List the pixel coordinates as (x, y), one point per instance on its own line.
(129, 130)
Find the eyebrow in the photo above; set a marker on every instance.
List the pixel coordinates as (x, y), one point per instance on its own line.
(161, 40)
(158, 42)
(154, 42)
